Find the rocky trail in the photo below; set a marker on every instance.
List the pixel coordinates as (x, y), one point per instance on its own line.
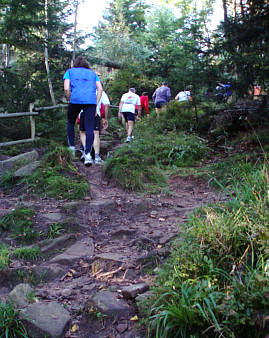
(92, 279)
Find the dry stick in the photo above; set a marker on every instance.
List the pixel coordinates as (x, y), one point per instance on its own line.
(108, 274)
(241, 259)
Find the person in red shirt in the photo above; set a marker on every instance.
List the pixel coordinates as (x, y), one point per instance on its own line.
(144, 100)
(144, 104)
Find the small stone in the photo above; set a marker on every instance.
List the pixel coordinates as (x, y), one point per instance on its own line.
(122, 328)
(132, 291)
(67, 292)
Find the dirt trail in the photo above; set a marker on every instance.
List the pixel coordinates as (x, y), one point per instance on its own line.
(126, 235)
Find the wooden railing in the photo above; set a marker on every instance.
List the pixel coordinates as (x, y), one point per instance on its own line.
(32, 115)
(33, 111)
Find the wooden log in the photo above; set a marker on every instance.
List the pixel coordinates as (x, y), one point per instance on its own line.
(18, 114)
(51, 107)
(10, 143)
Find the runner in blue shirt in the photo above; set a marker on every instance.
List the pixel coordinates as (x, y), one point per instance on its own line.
(80, 87)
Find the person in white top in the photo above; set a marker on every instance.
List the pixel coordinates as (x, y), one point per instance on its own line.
(127, 109)
(184, 95)
(97, 127)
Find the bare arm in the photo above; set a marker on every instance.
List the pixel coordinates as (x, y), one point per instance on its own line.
(105, 119)
(106, 111)
(67, 91)
(120, 107)
(99, 91)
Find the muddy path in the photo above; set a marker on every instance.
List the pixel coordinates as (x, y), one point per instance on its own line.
(114, 241)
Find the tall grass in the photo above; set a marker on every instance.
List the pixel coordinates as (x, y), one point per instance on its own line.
(216, 282)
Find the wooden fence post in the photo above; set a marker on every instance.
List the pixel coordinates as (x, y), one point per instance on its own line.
(32, 121)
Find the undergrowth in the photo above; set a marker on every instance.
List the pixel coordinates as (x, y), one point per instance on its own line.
(56, 177)
(159, 144)
(216, 282)
(19, 223)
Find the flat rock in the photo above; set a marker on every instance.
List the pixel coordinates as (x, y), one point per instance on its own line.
(50, 246)
(53, 216)
(48, 272)
(19, 294)
(18, 161)
(45, 319)
(80, 250)
(108, 303)
(132, 291)
(141, 302)
(166, 238)
(122, 232)
(110, 256)
(26, 170)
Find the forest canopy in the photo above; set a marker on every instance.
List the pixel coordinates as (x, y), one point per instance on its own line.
(135, 44)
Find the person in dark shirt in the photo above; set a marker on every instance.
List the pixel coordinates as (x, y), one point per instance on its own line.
(161, 96)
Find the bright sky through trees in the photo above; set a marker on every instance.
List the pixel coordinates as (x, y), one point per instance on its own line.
(90, 12)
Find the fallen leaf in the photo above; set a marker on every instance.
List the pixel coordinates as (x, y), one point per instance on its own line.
(152, 216)
(84, 265)
(134, 318)
(73, 271)
(161, 219)
(69, 274)
(74, 328)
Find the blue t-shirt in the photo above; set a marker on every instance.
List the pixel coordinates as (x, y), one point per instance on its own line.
(82, 85)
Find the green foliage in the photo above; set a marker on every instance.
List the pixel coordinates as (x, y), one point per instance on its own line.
(4, 256)
(10, 325)
(57, 177)
(215, 282)
(19, 222)
(177, 116)
(55, 230)
(29, 254)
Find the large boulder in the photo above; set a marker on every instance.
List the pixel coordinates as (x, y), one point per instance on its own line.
(18, 161)
(26, 170)
(108, 303)
(19, 296)
(45, 319)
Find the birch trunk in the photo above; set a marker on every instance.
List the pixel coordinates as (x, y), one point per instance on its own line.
(46, 54)
(75, 34)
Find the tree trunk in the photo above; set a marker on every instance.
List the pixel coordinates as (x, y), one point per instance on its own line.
(75, 34)
(46, 54)
(225, 11)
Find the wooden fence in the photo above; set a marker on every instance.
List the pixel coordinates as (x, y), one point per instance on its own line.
(33, 111)
(32, 115)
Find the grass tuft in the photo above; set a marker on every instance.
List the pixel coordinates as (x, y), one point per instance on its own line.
(10, 325)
